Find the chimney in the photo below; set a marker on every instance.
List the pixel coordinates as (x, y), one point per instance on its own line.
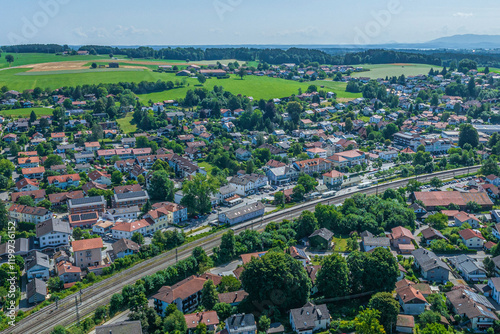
(404, 296)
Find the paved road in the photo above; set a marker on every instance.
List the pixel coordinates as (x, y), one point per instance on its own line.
(44, 320)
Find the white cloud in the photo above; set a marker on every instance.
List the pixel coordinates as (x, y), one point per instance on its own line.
(463, 15)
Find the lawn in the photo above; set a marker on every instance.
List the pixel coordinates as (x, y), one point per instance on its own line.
(125, 124)
(26, 112)
(390, 70)
(340, 244)
(208, 167)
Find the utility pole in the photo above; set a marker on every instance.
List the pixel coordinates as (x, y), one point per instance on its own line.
(176, 256)
(76, 306)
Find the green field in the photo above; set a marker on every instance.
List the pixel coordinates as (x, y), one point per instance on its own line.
(254, 86)
(390, 70)
(125, 124)
(36, 58)
(25, 112)
(492, 69)
(258, 87)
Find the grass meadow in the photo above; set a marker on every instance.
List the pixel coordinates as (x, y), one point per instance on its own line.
(390, 70)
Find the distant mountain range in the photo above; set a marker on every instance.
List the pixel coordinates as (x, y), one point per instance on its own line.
(469, 41)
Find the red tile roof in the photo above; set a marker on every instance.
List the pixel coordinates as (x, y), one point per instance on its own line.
(85, 244)
(469, 234)
(207, 318)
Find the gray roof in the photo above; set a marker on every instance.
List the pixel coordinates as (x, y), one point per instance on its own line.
(124, 327)
(36, 285)
(86, 201)
(466, 264)
(120, 211)
(52, 225)
(21, 245)
(241, 321)
(324, 233)
(36, 258)
(376, 241)
(304, 318)
(427, 260)
(496, 282)
(124, 244)
(244, 210)
(227, 189)
(132, 195)
(471, 304)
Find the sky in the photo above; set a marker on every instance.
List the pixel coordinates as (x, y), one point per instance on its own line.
(238, 22)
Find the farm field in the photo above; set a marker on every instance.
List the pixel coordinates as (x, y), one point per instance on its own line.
(390, 70)
(258, 87)
(36, 58)
(254, 86)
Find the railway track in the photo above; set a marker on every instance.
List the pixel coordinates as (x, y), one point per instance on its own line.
(43, 321)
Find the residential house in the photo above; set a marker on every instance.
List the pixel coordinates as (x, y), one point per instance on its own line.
(64, 181)
(299, 254)
(158, 219)
(33, 173)
(27, 185)
(186, 294)
(316, 165)
(57, 199)
(321, 239)
(472, 238)
(29, 214)
(68, 273)
(87, 252)
(53, 233)
(233, 298)
(494, 284)
(83, 220)
(241, 324)
(36, 291)
(37, 265)
(209, 318)
(405, 324)
(179, 211)
(464, 217)
(282, 174)
(87, 204)
(309, 318)
(128, 199)
(412, 301)
(248, 184)
(37, 195)
(124, 247)
(100, 177)
(370, 242)
(476, 308)
(432, 268)
(127, 229)
(402, 239)
(468, 267)
(430, 234)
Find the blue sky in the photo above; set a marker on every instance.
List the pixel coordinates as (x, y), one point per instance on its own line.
(212, 22)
